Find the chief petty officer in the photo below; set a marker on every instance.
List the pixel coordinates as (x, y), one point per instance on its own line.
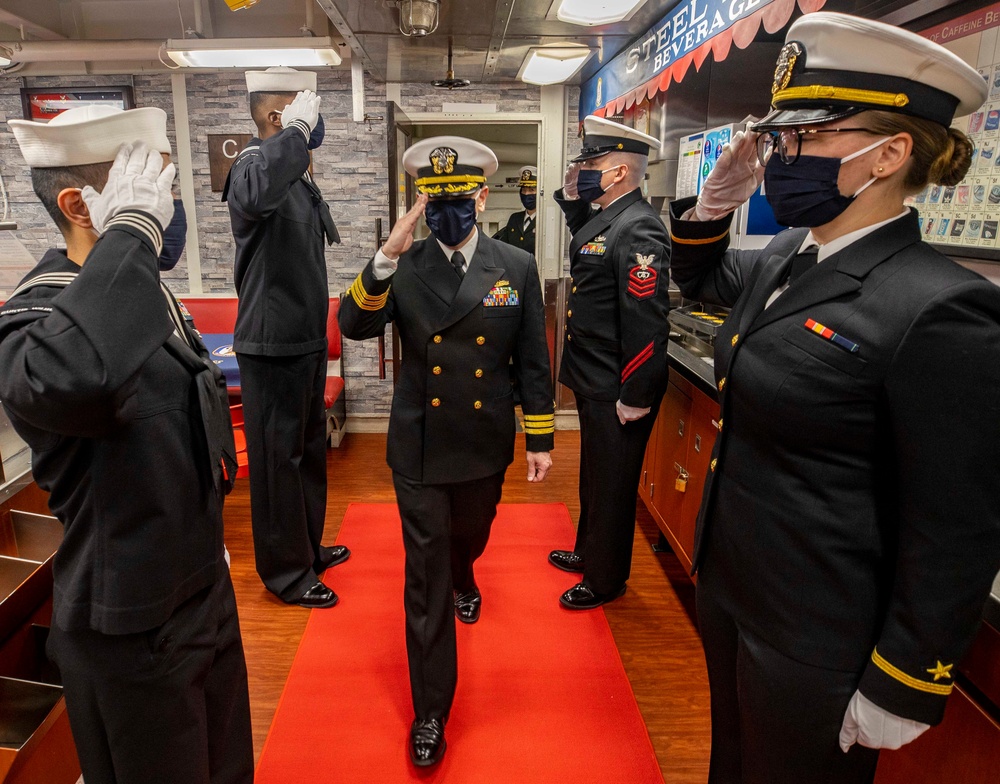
(520, 228)
(615, 347)
(128, 424)
(281, 223)
(850, 525)
(465, 306)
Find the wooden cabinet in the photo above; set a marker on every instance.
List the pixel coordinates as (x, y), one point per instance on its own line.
(677, 457)
(36, 746)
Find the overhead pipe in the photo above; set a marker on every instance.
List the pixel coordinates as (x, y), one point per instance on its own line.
(61, 51)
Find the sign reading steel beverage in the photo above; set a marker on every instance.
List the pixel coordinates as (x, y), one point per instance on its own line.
(687, 34)
(222, 151)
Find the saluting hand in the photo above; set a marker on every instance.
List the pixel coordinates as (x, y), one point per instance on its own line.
(570, 182)
(401, 236)
(302, 112)
(734, 179)
(539, 464)
(138, 180)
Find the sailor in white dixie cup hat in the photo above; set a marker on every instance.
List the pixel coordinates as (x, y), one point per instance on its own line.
(281, 225)
(100, 371)
(834, 574)
(521, 225)
(468, 309)
(614, 346)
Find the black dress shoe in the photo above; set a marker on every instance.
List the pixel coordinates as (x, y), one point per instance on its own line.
(581, 597)
(427, 742)
(566, 560)
(468, 605)
(331, 556)
(317, 597)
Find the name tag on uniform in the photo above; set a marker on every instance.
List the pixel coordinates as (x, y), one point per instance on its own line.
(502, 295)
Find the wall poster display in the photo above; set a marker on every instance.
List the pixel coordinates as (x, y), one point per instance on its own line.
(963, 220)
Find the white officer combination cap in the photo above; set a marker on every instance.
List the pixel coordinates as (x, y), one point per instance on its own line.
(280, 79)
(528, 178)
(449, 165)
(836, 65)
(89, 134)
(601, 136)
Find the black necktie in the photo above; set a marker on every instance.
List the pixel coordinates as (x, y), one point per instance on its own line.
(458, 261)
(805, 260)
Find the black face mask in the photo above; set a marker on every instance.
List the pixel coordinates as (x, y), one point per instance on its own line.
(451, 220)
(529, 200)
(805, 194)
(174, 238)
(318, 134)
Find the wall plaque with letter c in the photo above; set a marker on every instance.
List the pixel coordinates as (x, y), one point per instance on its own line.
(222, 151)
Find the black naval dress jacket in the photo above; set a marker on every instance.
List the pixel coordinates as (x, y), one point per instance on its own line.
(851, 515)
(615, 344)
(515, 234)
(280, 223)
(119, 414)
(452, 416)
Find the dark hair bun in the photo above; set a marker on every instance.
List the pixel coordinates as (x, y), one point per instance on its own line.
(954, 161)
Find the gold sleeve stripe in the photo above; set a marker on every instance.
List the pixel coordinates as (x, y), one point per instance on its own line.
(540, 418)
(909, 680)
(706, 241)
(539, 424)
(539, 431)
(363, 299)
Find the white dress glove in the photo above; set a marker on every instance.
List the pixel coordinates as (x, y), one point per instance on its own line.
(629, 413)
(868, 724)
(302, 112)
(735, 177)
(137, 181)
(570, 180)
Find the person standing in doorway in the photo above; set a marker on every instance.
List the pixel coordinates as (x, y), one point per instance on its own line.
(466, 308)
(280, 224)
(520, 228)
(615, 347)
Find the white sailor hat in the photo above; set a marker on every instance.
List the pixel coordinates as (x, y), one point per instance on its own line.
(280, 79)
(601, 136)
(835, 65)
(89, 134)
(528, 178)
(449, 165)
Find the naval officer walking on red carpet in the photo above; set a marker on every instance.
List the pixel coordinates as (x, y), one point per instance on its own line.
(465, 306)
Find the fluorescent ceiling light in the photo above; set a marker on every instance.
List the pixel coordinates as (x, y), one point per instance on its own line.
(596, 12)
(253, 52)
(5, 57)
(553, 65)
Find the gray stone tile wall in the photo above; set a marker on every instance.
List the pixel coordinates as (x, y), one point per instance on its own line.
(350, 168)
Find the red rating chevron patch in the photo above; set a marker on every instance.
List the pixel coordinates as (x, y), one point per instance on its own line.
(642, 277)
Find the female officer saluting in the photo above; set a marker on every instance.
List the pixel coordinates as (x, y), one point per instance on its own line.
(850, 526)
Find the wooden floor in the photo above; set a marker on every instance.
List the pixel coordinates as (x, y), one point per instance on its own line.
(652, 624)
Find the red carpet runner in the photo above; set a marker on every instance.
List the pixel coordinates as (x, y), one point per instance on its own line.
(542, 695)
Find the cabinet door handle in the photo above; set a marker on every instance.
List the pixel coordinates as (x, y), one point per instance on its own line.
(680, 427)
(697, 443)
(715, 425)
(652, 488)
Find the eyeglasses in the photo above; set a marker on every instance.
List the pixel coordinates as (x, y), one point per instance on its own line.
(787, 142)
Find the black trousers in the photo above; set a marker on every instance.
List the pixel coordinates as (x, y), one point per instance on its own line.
(445, 529)
(284, 421)
(611, 456)
(164, 706)
(774, 720)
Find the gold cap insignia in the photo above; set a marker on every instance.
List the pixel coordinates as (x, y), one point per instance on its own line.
(443, 160)
(789, 55)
